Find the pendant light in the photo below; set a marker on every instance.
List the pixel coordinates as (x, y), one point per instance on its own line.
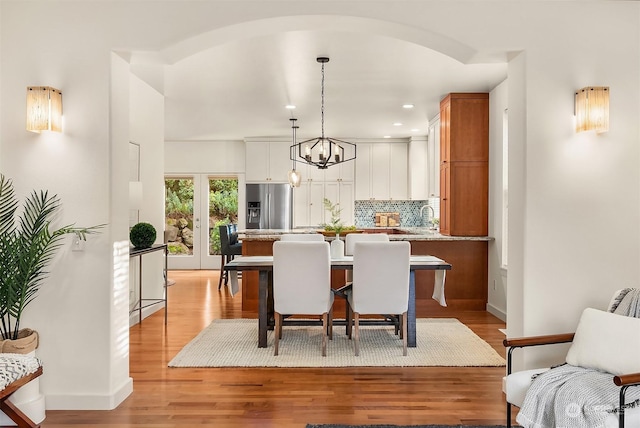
(323, 151)
(294, 176)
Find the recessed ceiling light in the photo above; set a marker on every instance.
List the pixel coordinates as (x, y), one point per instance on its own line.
(397, 124)
(407, 105)
(387, 136)
(415, 130)
(290, 106)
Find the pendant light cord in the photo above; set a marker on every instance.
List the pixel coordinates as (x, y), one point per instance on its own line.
(322, 102)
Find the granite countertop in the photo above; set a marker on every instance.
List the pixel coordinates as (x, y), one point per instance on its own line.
(399, 234)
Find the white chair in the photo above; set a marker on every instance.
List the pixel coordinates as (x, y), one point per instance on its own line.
(313, 237)
(350, 242)
(302, 284)
(352, 238)
(604, 342)
(380, 284)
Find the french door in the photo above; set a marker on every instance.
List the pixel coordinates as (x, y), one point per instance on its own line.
(195, 204)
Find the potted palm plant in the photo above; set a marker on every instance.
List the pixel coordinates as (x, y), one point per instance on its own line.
(28, 244)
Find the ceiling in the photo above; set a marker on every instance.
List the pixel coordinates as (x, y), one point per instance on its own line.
(239, 89)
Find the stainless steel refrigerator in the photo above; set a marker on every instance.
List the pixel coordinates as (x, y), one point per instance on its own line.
(269, 206)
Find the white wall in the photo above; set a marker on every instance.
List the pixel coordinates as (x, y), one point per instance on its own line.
(497, 287)
(146, 128)
(567, 187)
(204, 157)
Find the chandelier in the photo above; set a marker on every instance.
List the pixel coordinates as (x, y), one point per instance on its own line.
(322, 151)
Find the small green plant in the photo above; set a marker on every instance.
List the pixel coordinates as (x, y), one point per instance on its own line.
(335, 224)
(335, 211)
(142, 235)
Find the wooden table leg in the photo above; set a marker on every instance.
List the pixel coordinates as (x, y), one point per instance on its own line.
(411, 312)
(271, 315)
(262, 308)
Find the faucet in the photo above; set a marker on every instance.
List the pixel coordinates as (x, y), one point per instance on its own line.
(433, 213)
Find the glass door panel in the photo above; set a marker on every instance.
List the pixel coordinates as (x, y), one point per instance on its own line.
(182, 222)
(195, 206)
(221, 194)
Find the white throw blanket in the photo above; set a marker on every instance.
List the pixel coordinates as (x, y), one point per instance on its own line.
(569, 396)
(574, 397)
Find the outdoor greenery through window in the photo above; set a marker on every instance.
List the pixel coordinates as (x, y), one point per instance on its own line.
(179, 208)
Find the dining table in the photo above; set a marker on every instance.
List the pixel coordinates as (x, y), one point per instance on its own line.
(264, 266)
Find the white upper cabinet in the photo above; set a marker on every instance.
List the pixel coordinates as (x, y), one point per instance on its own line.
(381, 171)
(363, 172)
(341, 172)
(419, 169)
(398, 171)
(433, 158)
(424, 163)
(267, 161)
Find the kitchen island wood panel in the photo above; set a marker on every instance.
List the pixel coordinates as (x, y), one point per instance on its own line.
(465, 286)
(466, 283)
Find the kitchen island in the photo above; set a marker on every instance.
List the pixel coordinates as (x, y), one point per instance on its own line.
(466, 284)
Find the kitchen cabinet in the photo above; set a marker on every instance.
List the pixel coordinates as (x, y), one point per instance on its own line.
(419, 168)
(267, 161)
(340, 192)
(398, 171)
(308, 209)
(433, 158)
(363, 172)
(464, 164)
(381, 171)
(308, 205)
(341, 172)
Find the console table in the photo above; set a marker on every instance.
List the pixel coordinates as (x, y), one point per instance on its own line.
(140, 304)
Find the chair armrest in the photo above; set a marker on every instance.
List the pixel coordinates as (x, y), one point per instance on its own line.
(627, 379)
(521, 342)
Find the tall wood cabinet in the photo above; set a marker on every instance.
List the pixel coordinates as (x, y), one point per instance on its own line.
(464, 164)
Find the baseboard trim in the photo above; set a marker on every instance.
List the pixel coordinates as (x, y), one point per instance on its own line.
(90, 402)
(499, 313)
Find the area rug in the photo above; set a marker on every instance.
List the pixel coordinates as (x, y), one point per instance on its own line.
(234, 343)
(404, 426)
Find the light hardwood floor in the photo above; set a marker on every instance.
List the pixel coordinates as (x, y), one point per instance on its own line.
(290, 398)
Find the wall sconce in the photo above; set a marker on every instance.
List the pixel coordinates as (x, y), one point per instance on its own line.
(44, 109)
(592, 109)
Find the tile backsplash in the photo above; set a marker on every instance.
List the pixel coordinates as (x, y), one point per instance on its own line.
(365, 211)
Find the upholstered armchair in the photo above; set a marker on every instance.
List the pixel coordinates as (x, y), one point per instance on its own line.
(600, 383)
